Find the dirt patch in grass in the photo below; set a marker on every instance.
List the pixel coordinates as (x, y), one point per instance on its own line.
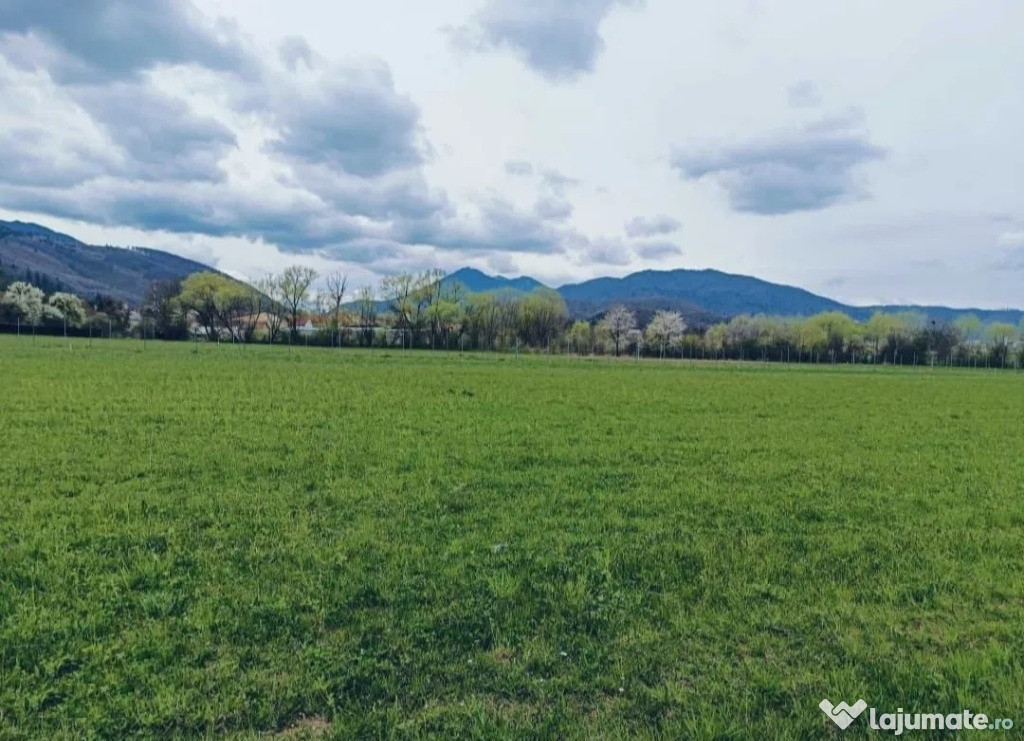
(313, 727)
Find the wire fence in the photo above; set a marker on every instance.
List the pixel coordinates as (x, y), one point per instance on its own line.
(97, 331)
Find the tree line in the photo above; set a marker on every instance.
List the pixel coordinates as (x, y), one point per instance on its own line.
(23, 303)
(904, 338)
(422, 310)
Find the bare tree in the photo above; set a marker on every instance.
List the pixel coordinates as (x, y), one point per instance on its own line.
(1001, 336)
(447, 313)
(247, 305)
(441, 300)
(409, 295)
(162, 306)
(336, 283)
(269, 288)
(398, 291)
(635, 339)
(367, 313)
(294, 289)
(618, 322)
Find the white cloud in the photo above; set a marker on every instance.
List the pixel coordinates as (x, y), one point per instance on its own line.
(256, 131)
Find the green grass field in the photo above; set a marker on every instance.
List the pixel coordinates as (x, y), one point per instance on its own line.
(388, 544)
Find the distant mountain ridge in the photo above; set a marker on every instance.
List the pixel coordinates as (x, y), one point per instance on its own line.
(722, 294)
(478, 282)
(702, 296)
(64, 263)
(707, 295)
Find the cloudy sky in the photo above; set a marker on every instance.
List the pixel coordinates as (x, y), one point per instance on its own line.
(868, 150)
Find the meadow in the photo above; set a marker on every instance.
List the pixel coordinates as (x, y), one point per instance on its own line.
(211, 540)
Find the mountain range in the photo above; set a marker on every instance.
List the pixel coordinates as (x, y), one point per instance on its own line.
(709, 295)
(478, 282)
(59, 262)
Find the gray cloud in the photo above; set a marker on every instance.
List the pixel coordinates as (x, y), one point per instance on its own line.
(556, 182)
(351, 217)
(366, 251)
(550, 179)
(297, 223)
(502, 264)
(606, 252)
(353, 121)
(804, 170)
(32, 157)
(553, 207)
(94, 40)
(558, 40)
(397, 195)
(652, 226)
(655, 250)
(96, 52)
(803, 94)
(518, 168)
(346, 147)
(157, 136)
(123, 128)
(295, 49)
(500, 227)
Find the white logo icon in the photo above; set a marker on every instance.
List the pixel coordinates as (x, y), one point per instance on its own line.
(842, 714)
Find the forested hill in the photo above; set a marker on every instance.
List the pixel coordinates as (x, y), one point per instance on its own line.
(56, 261)
(703, 295)
(478, 282)
(717, 293)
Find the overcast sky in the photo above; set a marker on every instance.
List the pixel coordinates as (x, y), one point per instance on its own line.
(870, 151)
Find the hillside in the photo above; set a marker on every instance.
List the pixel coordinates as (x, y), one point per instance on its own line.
(713, 291)
(63, 263)
(704, 296)
(59, 262)
(944, 314)
(478, 282)
(725, 294)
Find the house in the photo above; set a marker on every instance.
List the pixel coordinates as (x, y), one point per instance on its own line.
(310, 325)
